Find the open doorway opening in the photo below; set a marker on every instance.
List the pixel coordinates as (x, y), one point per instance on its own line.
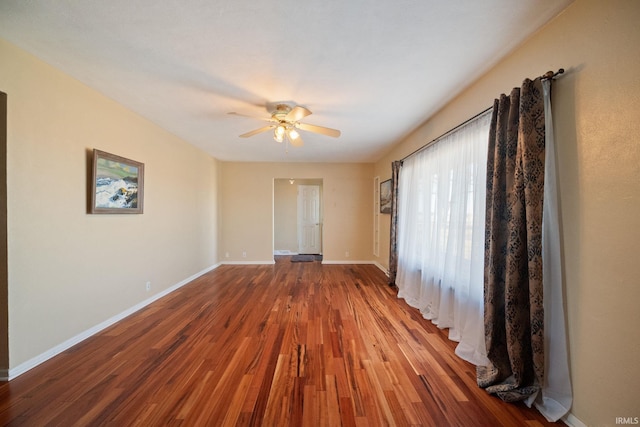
(297, 218)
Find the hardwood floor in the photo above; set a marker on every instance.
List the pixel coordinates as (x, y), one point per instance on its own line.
(293, 344)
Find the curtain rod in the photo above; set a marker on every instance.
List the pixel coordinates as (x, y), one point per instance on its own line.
(433, 141)
(549, 75)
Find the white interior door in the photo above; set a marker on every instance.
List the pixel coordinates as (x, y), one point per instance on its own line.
(309, 223)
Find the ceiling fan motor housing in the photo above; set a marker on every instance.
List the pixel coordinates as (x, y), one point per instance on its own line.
(281, 112)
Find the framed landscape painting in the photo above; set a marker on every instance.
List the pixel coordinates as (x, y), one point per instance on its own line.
(385, 197)
(117, 185)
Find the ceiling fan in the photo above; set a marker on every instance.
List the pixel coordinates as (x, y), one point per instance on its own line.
(285, 120)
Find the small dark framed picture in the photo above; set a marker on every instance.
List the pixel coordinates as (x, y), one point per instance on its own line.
(385, 197)
(117, 185)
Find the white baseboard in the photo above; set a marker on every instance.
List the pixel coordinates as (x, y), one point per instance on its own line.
(35, 361)
(284, 252)
(572, 421)
(381, 267)
(248, 262)
(345, 262)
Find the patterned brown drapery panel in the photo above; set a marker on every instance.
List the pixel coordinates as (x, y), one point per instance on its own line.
(393, 238)
(513, 310)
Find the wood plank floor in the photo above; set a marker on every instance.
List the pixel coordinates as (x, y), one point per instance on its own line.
(292, 344)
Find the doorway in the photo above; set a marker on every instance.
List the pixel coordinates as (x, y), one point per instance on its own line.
(297, 218)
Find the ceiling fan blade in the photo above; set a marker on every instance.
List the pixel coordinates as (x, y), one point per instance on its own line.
(266, 119)
(257, 131)
(319, 129)
(297, 113)
(298, 142)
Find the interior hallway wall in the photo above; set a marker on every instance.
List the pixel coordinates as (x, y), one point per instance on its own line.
(70, 271)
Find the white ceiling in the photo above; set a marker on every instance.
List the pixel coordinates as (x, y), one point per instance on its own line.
(373, 69)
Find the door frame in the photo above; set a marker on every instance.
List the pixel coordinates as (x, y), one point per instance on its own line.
(296, 181)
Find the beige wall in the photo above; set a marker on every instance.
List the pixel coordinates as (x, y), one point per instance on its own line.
(597, 125)
(70, 271)
(285, 216)
(246, 222)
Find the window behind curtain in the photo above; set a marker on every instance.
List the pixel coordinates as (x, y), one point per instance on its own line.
(441, 206)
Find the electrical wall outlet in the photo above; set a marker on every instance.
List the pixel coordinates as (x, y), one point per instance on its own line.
(226, 254)
(244, 254)
(346, 254)
(148, 286)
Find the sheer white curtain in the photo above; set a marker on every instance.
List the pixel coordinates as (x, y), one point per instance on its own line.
(555, 397)
(441, 208)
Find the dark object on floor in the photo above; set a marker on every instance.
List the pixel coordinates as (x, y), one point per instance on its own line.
(306, 258)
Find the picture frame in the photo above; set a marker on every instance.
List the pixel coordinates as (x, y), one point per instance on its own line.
(117, 185)
(385, 197)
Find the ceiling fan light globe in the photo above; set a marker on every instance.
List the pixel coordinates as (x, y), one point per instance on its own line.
(293, 134)
(280, 131)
